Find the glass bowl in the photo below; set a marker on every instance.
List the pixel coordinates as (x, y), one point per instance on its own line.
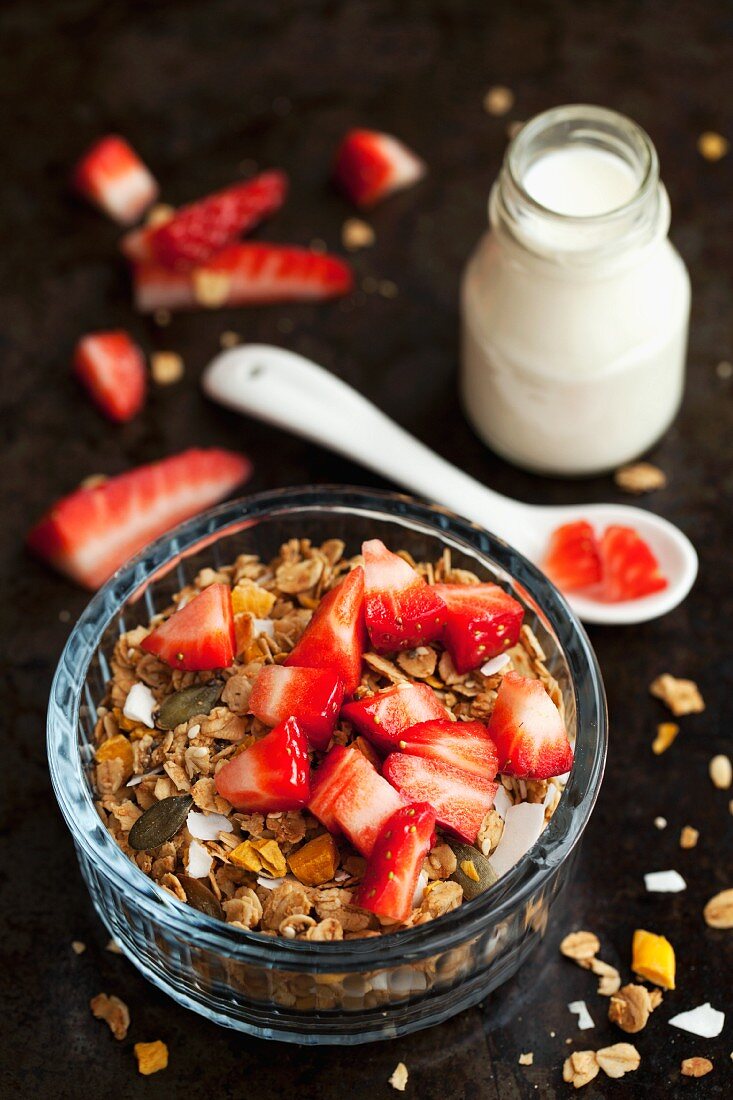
(334, 992)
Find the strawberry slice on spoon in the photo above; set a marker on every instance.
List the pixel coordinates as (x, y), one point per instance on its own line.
(393, 868)
(402, 610)
(271, 776)
(198, 636)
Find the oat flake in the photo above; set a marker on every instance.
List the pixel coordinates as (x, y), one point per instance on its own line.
(398, 1080)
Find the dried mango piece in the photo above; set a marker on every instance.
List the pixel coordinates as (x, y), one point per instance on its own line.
(666, 733)
(248, 596)
(469, 869)
(246, 855)
(316, 862)
(652, 958)
(273, 861)
(123, 721)
(151, 1057)
(116, 748)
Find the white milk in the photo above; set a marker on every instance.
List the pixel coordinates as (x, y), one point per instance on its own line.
(575, 305)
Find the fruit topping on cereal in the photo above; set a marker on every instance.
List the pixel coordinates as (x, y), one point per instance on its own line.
(371, 165)
(460, 799)
(482, 621)
(335, 638)
(112, 368)
(393, 868)
(199, 635)
(312, 695)
(112, 176)
(630, 569)
(528, 730)
(90, 533)
(402, 610)
(573, 561)
(384, 717)
(464, 745)
(272, 775)
(247, 274)
(350, 796)
(195, 233)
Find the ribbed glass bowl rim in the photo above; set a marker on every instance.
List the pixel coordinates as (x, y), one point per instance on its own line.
(494, 905)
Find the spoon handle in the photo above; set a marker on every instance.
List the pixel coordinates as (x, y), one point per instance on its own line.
(291, 392)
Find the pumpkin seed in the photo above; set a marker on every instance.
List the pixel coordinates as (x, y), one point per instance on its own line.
(160, 822)
(201, 897)
(467, 854)
(184, 704)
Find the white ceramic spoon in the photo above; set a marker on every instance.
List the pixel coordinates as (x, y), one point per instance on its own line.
(285, 389)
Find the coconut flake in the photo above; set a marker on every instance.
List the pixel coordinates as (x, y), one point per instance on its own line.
(265, 626)
(502, 803)
(139, 778)
(207, 826)
(139, 705)
(269, 883)
(422, 881)
(523, 824)
(705, 1021)
(664, 882)
(199, 861)
(585, 1020)
(495, 665)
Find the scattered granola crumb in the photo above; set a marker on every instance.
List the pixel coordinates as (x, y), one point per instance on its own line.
(580, 946)
(65, 617)
(609, 977)
(113, 946)
(526, 1059)
(580, 1068)
(151, 1057)
(640, 477)
(388, 289)
(724, 370)
(210, 288)
(721, 772)
(513, 128)
(666, 733)
(718, 912)
(618, 1059)
(229, 339)
(113, 1011)
(712, 146)
(356, 234)
(78, 947)
(398, 1080)
(631, 1007)
(93, 481)
(162, 317)
(166, 367)
(696, 1067)
(689, 837)
(681, 696)
(159, 214)
(498, 101)
(660, 823)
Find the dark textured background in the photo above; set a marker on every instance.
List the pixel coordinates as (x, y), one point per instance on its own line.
(200, 88)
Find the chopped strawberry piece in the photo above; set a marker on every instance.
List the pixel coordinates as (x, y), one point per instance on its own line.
(199, 635)
(335, 637)
(461, 800)
(465, 745)
(393, 869)
(112, 176)
(271, 776)
(383, 717)
(371, 165)
(242, 275)
(112, 368)
(197, 232)
(311, 695)
(528, 730)
(482, 621)
(630, 569)
(402, 610)
(573, 560)
(350, 795)
(90, 533)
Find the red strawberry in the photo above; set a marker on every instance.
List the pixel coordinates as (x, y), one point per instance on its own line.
(199, 635)
(391, 875)
(112, 368)
(271, 776)
(630, 569)
(311, 695)
(402, 611)
(90, 533)
(112, 176)
(483, 620)
(335, 637)
(197, 232)
(350, 795)
(383, 717)
(528, 730)
(242, 275)
(371, 165)
(465, 745)
(460, 799)
(572, 560)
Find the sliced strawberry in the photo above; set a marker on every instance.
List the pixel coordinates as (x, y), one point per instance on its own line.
(630, 569)
(197, 232)
(393, 869)
(112, 368)
(482, 621)
(349, 795)
(383, 717)
(335, 637)
(402, 610)
(573, 560)
(90, 533)
(244, 275)
(528, 730)
(371, 165)
(311, 695)
(112, 176)
(271, 776)
(465, 745)
(199, 635)
(461, 800)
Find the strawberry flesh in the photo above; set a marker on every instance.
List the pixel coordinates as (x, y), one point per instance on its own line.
(371, 165)
(112, 368)
(460, 799)
(482, 621)
(393, 868)
(200, 635)
(402, 610)
(630, 569)
(573, 559)
(350, 796)
(464, 745)
(311, 695)
(528, 730)
(112, 176)
(383, 717)
(271, 776)
(335, 638)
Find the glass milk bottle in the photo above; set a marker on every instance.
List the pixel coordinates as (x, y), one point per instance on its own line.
(575, 304)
